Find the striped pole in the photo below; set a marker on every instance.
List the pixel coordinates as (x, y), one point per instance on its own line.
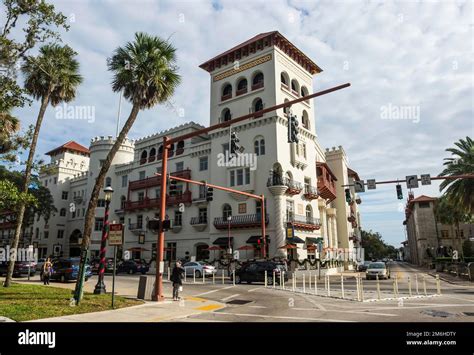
(100, 286)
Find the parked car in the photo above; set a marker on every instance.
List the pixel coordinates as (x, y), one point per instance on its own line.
(132, 267)
(20, 269)
(200, 268)
(363, 266)
(255, 272)
(67, 269)
(379, 268)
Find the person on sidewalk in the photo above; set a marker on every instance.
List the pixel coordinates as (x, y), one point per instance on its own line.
(47, 268)
(177, 279)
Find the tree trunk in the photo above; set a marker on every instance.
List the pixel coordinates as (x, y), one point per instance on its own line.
(29, 165)
(99, 182)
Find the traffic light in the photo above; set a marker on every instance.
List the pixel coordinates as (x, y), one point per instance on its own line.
(173, 187)
(209, 194)
(292, 129)
(399, 192)
(348, 195)
(235, 147)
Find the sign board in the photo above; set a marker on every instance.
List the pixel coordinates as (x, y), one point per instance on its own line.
(412, 181)
(371, 184)
(359, 186)
(425, 179)
(115, 234)
(290, 232)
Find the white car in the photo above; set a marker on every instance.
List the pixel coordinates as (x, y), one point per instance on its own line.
(199, 268)
(377, 268)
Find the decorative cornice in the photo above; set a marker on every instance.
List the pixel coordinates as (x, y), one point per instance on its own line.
(242, 67)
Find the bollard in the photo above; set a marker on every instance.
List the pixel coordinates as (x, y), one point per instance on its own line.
(194, 276)
(213, 278)
(203, 276)
(281, 283)
(409, 286)
(282, 275)
(266, 280)
(293, 281)
(223, 276)
(315, 285)
(309, 281)
(378, 286)
(329, 286)
(342, 286)
(396, 285)
(361, 290)
(357, 288)
(304, 283)
(169, 274)
(233, 277)
(416, 284)
(424, 285)
(438, 285)
(274, 282)
(185, 274)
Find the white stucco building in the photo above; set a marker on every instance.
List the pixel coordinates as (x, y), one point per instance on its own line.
(301, 182)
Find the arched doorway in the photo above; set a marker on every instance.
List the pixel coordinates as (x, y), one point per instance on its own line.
(74, 245)
(201, 251)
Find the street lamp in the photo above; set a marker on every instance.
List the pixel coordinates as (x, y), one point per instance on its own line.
(100, 286)
(229, 218)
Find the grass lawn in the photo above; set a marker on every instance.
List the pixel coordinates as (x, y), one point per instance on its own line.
(22, 302)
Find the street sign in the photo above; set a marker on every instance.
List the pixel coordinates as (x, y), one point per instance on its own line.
(425, 179)
(116, 234)
(359, 186)
(412, 181)
(371, 184)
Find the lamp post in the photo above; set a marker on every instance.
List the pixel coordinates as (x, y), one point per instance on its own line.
(229, 219)
(100, 286)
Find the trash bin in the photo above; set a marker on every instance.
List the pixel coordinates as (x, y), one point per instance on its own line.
(145, 287)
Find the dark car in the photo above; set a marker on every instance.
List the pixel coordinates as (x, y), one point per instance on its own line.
(132, 267)
(255, 272)
(21, 268)
(67, 269)
(363, 266)
(109, 265)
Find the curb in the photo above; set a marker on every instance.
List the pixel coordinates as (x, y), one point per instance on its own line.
(443, 278)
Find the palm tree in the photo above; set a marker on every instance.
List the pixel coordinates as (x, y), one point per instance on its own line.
(9, 125)
(145, 71)
(52, 77)
(460, 191)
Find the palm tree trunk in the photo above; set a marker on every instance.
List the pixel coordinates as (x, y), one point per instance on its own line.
(29, 165)
(99, 183)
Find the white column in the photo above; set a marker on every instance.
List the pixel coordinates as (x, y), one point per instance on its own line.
(280, 233)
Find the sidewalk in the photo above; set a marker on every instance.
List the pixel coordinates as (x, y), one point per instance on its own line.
(452, 279)
(148, 312)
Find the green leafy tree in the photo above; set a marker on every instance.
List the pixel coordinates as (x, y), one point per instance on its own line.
(460, 192)
(52, 77)
(375, 247)
(145, 71)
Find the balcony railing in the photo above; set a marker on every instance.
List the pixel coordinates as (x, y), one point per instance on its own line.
(198, 220)
(294, 187)
(156, 180)
(257, 85)
(326, 182)
(241, 91)
(226, 97)
(310, 192)
(151, 158)
(240, 221)
(135, 226)
(185, 197)
(141, 204)
(303, 222)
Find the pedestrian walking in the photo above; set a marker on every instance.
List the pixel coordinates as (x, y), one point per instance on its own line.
(177, 279)
(47, 269)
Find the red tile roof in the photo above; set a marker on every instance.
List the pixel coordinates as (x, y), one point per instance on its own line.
(423, 198)
(71, 145)
(275, 36)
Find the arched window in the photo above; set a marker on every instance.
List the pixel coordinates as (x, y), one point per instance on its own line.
(180, 148)
(257, 81)
(295, 87)
(226, 115)
(257, 106)
(305, 120)
(108, 181)
(152, 155)
(241, 87)
(160, 153)
(226, 211)
(143, 157)
(304, 92)
(226, 92)
(123, 200)
(259, 146)
(284, 78)
(286, 110)
(171, 150)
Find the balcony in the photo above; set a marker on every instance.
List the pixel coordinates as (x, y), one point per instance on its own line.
(294, 187)
(156, 180)
(241, 91)
(257, 85)
(326, 182)
(240, 221)
(303, 222)
(200, 223)
(142, 204)
(7, 225)
(226, 97)
(310, 192)
(151, 158)
(185, 197)
(135, 226)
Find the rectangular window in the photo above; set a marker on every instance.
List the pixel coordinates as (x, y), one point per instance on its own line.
(124, 180)
(240, 177)
(232, 178)
(170, 251)
(180, 166)
(60, 233)
(444, 234)
(203, 214)
(64, 195)
(290, 207)
(424, 204)
(141, 175)
(157, 193)
(242, 208)
(139, 221)
(101, 162)
(178, 218)
(203, 163)
(73, 214)
(202, 191)
(55, 180)
(100, 202)
(141, 196)
(247, 176)
(99, 224)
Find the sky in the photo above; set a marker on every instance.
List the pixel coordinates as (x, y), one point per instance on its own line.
(410, 65)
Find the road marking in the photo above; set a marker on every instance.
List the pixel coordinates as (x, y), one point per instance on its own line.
(257, 307)
(283, 317)
(255, 289)
(229, 297)
(210, 307)
(355, 312)
(212, 291)
(197, 299)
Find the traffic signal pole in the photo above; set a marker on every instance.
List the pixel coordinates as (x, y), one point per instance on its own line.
(465, 176)
(167, 142)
